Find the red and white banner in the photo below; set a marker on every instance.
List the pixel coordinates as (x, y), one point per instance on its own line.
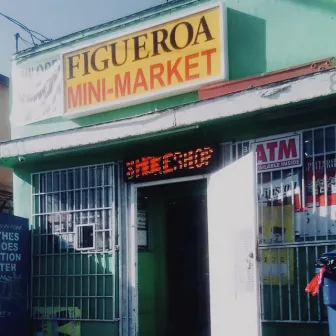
(320, 171)
(320, 174)
(279, 153)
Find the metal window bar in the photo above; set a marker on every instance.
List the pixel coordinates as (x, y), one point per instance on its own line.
(67, 282)
(310, 201)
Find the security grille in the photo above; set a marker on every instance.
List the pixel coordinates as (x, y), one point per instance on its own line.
(297, 223)
(74, 250)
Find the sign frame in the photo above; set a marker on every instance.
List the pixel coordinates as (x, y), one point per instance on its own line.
(159, 94)
(214, 162)
(277, 138)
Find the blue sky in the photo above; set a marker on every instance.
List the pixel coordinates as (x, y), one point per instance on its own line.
(55, 18)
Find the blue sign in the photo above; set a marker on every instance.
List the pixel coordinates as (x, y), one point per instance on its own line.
(14, 275)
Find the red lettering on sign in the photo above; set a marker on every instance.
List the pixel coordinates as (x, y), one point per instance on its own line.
(166, 168)
(122, 84)
(94, 91)
(130, 169)
(188, 160)
(155, 165)
(169, 163)
(261, 155)
(276, 150)
(271, 146)
(208, 55)
(142, 166)
(207, 154)
(156, 72)
(177, 157)
(140, 81)
(173, 71)
(199, 158)
(86, 93)
(287, 150)
(75, 97)
(278, 153)
(189, 66)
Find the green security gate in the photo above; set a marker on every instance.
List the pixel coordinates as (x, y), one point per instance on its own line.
(76, 253)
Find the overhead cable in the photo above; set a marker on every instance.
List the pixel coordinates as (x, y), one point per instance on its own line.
(34, 35)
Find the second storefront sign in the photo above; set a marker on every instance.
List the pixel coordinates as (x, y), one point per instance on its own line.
(279, 153)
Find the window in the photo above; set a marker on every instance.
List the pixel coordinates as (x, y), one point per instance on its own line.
(85, 237)
(75, 252)
(142, 222)
(297, 223)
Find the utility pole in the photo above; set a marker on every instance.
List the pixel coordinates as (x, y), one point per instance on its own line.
(17, 36)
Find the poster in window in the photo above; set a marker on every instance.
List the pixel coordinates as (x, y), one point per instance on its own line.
(320, 216)
(62, 230)
(277, 263)
(142, 218)
(277, 209)
(279, 196)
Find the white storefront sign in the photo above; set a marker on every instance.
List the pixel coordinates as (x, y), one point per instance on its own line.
(279, 153)
(36, 89)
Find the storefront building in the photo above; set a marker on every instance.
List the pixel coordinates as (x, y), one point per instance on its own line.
(6, 176)
(178, 170)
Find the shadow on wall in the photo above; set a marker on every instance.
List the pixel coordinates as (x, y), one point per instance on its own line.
(246, 44)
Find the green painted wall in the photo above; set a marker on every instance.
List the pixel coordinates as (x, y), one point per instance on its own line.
(152, 273)
(99, 328)
(22, 193)
(270, 35)
(263, 36)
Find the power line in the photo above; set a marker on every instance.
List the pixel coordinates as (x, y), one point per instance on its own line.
(25, 28)
(35, 36)
(27, 43)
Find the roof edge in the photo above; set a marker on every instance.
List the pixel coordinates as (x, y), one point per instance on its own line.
(4, 80)
(228, 87)
(284, 93)
(113, 25)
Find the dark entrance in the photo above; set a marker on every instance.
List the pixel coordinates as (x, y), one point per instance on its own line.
(173, 271)
(188, 266)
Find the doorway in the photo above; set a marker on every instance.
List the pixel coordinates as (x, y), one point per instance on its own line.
(173, 265)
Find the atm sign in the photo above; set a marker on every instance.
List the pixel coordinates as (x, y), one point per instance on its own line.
(170, 164)
(279, 153)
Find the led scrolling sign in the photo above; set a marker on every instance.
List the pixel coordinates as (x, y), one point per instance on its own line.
(171, 164)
